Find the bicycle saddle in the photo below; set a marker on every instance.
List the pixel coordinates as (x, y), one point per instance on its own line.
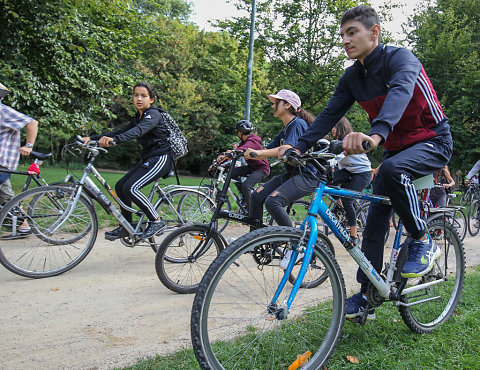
(41, 156)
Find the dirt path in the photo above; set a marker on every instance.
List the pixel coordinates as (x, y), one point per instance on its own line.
(107, 312)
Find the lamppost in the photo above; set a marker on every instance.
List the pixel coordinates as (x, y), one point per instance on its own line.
(248, 93)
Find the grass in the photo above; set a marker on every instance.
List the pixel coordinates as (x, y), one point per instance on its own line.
(387, 343)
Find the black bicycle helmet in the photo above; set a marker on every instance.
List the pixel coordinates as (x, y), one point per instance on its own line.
(244, 126)
(3, 91)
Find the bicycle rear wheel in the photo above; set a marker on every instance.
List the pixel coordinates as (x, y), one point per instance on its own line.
(460, 223)
(439, 300)
(234, 324)
(176, 264)
(474, 218)
(57, 243)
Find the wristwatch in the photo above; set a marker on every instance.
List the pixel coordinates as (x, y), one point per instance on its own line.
(29, 145)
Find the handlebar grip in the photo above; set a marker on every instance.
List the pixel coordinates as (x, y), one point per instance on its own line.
(366, 145)
(336, 147)
(253, 155)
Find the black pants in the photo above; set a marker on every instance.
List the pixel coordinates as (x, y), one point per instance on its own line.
(128, 187)
(394, 179)
(253, 177)
(352, 181)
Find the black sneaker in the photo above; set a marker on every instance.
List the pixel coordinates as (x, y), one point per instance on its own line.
(153, 229)
(115, 234)
(356, 305)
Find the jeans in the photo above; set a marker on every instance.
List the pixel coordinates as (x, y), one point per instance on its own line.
(253, 177)
(277, 194)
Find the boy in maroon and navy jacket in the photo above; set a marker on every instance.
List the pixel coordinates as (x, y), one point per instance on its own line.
(407, 119)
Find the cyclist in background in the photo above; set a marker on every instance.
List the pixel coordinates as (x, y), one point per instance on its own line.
(407, 119)
(150, 131)
(352, 172)
(254, 171)
(475, 169)
(438, 195)
(11, 123)
(282, 190)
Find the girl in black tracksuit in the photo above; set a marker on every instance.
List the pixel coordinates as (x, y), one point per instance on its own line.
(156, 158)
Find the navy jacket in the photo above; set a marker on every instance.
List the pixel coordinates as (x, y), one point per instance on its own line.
(394, 90)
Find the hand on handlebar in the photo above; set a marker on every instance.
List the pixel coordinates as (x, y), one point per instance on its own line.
(353, 143)
(106, 141)
(250, 154)
(283, 149)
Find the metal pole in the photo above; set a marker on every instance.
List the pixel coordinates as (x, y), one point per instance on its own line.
(248, 93)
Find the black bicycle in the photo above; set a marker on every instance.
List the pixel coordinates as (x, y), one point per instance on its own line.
(186, 253)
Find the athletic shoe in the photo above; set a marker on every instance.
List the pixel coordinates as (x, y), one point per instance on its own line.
(286, 259)
(421, 256)
(356, 305)
(25, 231)
(115, 234)
(154, 228)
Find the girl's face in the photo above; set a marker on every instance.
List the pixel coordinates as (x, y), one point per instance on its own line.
(142, 99)
(279, 108)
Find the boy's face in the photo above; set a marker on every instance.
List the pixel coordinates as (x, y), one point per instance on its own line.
(357, 40)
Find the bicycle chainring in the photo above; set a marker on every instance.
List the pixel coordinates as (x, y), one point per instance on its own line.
(374, 299)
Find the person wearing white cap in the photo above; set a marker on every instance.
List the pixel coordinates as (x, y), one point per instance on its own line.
(283, 189)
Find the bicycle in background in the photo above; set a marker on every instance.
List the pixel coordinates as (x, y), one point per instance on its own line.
(246, 316)
(472, 193)
(64, 220)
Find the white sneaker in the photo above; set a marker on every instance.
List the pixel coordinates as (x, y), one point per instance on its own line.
(231, 240)
(286, 259)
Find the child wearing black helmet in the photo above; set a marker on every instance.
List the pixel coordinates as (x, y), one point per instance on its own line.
(254, 171)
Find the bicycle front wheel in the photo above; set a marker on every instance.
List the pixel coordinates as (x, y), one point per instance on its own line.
(184, 256)
(183, 206)
(57, 242)
(474, 218)
(431, 307)
(235, 324)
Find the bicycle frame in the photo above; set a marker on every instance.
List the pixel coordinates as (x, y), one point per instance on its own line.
(319, 208)
(221, 179)
(92, 190)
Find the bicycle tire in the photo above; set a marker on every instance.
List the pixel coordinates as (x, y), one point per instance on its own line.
(174, 268)
(43, 253)
(474, 218)
(232, 324)
(444, 297)
(460, 223)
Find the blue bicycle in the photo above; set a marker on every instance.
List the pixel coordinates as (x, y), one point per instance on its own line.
(247, 316)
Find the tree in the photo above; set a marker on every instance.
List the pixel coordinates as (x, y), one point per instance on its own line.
(445, 38)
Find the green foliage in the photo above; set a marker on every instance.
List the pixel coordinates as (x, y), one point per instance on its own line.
(445, 38)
